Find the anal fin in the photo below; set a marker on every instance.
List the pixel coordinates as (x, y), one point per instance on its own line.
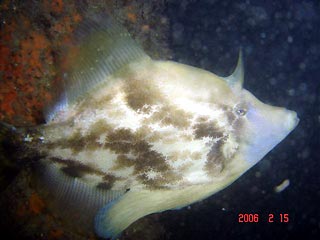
(116, 216)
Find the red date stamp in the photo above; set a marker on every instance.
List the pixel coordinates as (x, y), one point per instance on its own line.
(255, 218)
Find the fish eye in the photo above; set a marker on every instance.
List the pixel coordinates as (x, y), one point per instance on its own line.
(240, 110)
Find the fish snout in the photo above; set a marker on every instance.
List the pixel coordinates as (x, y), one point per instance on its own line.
(291, 120)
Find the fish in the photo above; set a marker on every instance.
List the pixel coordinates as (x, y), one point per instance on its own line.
(129, 136)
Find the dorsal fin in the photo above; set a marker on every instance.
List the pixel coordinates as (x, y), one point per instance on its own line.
(99, 48)
(235, 80)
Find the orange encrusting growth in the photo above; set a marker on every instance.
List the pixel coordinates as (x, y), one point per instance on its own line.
(56, 234)
(55, 6)
(33, 206)
(29, 56)
(22, 66)
(36, 204)
(132, 17)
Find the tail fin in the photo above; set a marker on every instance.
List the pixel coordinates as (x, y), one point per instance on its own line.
(9, 138)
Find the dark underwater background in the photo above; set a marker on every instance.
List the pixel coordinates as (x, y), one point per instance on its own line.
(281, 46)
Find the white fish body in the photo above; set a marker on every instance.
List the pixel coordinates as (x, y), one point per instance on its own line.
(134, 136)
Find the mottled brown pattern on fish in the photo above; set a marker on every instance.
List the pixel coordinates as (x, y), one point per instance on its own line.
(174, 156)
(101, 126)
(152, 160)
(230, 115)
(149, 134)
(147, 158)
(185, 167)
(171, 115)
(123, 161)
(196, 155)
(119, 141)
(142, 159)
(169, 140)
(90, 140)
(108, 182)
(141, 92)
(187, 137)
(204, 128)
(101, 102)
(76, 169)
(233, 119)
(215, 159)
(97, 103)
(78, 142)
(158, 182)
(238, 125)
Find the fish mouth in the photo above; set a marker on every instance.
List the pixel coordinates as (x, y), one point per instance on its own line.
(292, 119)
